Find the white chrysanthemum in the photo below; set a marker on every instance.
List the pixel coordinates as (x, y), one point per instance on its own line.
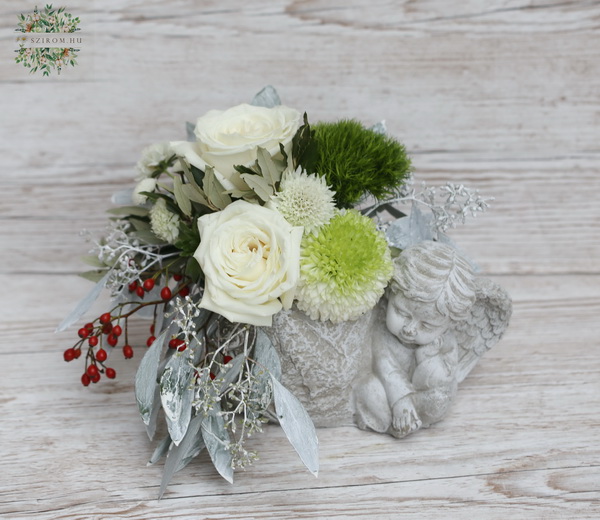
(164, 224)
(147, 185)
(304, 200)
(152, 156)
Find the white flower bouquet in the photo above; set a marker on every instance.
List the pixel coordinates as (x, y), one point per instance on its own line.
(256, 213)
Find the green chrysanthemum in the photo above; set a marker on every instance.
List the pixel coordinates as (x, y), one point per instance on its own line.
(344, 270)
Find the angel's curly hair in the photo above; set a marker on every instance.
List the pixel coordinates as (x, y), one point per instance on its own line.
(432, 272)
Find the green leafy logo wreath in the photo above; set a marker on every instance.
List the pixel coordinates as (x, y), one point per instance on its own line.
(46, 59)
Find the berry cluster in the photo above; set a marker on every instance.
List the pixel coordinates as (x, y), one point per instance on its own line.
(106, 330)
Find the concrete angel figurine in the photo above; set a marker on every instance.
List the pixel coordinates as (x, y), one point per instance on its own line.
(440, 320)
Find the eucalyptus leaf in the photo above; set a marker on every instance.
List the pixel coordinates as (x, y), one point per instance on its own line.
(179, 456)
(92, 276)
(214, 190)
(148, 237)
(267, 98)
(217, 440)
(268, 168)
(182, 199)
(145, 381)
(177, 394)
(83, 306)
(195, 194)
(139, 225)
(94, 261)
(297, 425)
(259, 185)
(138, 211)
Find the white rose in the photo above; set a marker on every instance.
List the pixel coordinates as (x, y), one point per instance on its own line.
(250, 256)
(231, 137)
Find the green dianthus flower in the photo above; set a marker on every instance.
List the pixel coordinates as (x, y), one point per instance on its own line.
(344, 269)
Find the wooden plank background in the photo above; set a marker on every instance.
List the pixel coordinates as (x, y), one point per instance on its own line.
(502, 95)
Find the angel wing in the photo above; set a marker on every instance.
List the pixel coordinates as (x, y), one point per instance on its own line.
(484, 327)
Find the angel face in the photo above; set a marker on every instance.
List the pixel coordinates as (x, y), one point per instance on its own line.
(414, 322)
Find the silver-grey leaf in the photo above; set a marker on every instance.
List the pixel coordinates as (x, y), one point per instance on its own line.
(266, 356)
(189, 130)
(231, 371)
(297, 425)
(160, 450)
(122, 197)
(379, 128)
(408, 231)
(217, 440)
(267, 98)
(177, 394)
(83, 306)
(145, 380)
(179, 456)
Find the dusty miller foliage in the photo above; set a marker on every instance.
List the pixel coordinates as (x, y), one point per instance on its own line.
(448, 205)
(126, 255)
(234, 391)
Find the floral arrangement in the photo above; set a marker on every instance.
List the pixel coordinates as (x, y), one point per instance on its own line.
(47, 59)
(257, 212)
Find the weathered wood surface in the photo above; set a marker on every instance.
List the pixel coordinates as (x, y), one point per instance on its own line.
(500, 95)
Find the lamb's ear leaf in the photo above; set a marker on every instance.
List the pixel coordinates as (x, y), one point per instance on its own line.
(83, 306)
(217, 440)
(297, 425)
(267, 98)
(146, 387)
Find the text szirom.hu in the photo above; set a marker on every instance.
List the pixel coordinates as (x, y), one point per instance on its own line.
(51, 41)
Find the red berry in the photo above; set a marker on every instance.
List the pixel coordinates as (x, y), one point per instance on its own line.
(101, 355)
(148, 284)
(93, 341)
(140, 291)
(107, 329)
(127, 351)
(178, 277)
(165, 293)
(105, 318)
(111, 373)
(212, 376)
(227, 359)
(133, 286)
(173, 343)
(182, 347)
(92, 370)
(117, 330)
(152, 329)
(112, 339)
(184, 291)
(89, 326)
(77, 353)
(83, 333)
(69, 354)
(85, 380)
(96, 378)
(150, 341)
